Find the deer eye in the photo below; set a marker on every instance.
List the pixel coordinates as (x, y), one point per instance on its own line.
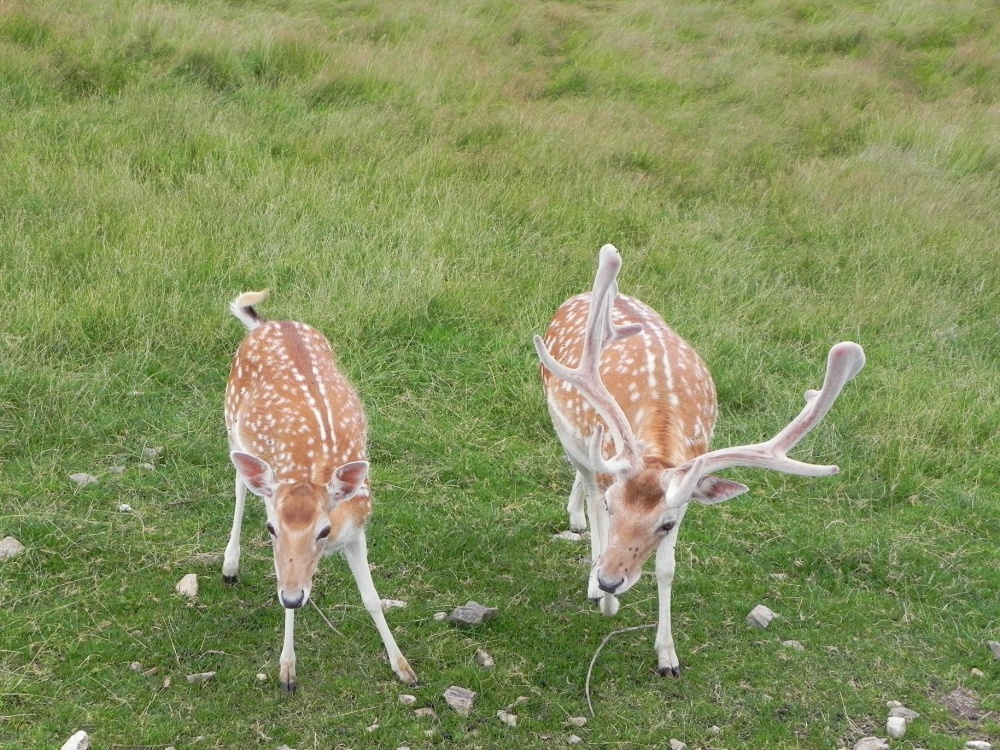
(667, 527)
(270, 529)
(324, 533)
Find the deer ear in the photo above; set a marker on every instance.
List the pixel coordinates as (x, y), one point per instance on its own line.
(712, 490)
(256, 474)
(347, 480)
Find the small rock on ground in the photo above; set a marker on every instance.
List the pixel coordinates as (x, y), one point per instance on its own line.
(425, 713)
(460, 699)
(471, 614)
(10, 547)
(871, 743)
(978, 745)
(135, 666)
(152, 452)
(895, 727)
(79, 741)
(124, 508)
(200, 678)
(678, 745)
(574, 739)
(407, 700)
(977, 672)
(893, 704)
(439, 616)
(906, 714)
(116, 469)
(388, 604)
(83, 479)
(506, 717)
(715, 730)
(261, 677)
(793, 644)
(147, 466)
(577, 721)
(995, 648)
(760, 616)
(188, 585)
(483, 659)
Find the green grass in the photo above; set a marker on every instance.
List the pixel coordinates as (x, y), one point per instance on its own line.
(426, 182)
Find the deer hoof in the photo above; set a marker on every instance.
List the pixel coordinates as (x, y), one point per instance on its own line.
(669, 671)
(289, 686)
(230, 580)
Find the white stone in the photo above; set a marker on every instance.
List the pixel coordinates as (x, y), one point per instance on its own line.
(975, 672)
(978, 745)
(577, 721)
(188, 585)
(147, 467)
(714, 730)
(893, 704)
(124, 508)
(425, 713)
(388, 604)
(760, 616)
(79, 741)
(483, 659)
(871, 743)
(678, 745)
(135, 666)
(793, 644)
(152, 452)
(439, 616)
(568, 536)
(261, 677)
(895, 727)
(407, 700)
(83, 479)
(116, 469)
(200, 678)
(10, 547)
(994, 646)
(506, 717)
(460, 699)
(574, 740)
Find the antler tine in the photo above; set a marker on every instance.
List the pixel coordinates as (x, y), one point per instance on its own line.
(601, 332)
(844, 362)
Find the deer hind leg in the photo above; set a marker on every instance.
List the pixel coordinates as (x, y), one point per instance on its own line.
(575, 506)
(231, 560)
(357, 558)
(598, 539)
(287, 659)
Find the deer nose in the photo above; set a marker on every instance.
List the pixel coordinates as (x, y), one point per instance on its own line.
(292, 602)
(609, 586)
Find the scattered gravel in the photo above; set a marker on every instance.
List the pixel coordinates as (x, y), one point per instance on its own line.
(760, 616)
(895, 727)
(10, 547)
(471, 614)
(460, 699)
(188, 586)
(79, 741)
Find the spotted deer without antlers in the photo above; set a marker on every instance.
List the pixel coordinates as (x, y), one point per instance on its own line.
(297, 439)
(619, 381)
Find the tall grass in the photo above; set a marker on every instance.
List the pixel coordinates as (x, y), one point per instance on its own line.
(426, 182)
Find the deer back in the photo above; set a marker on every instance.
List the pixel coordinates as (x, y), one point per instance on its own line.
(660, 383)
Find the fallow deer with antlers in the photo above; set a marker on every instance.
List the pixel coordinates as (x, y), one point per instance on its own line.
(297, 435)
(618, 379)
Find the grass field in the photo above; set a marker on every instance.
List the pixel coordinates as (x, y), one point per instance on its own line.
(425, 183)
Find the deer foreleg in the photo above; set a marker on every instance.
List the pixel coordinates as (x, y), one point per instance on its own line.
(357, 558)
(287, 660)
(575, 507)
(231, 561)
(598, 540)
(668, 665)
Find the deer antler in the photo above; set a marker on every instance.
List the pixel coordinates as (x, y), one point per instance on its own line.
(586, 377)
(844, 362)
